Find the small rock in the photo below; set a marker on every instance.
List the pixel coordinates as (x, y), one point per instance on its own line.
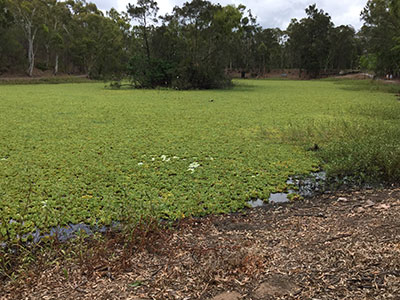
(342, 199)
(369, 203)
(228, 296)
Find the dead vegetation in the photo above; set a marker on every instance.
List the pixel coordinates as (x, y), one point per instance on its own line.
(344, 246)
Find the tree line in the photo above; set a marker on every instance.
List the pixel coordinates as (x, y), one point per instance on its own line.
(194, 46)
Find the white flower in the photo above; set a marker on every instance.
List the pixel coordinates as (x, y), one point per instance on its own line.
(193, 166)
(140, 164)
(175, 157)
(164, 157)
(153, 159)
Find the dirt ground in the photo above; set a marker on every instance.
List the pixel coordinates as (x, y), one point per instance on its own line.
(342, 246)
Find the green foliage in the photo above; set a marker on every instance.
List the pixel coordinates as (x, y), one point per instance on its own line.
(368, 62)
(83, 154)
(201, 32)
(200, 77)
(310, 40)
(361, 144)
(63, 36)
(344, 49)
(381, 33)
(149, 74)
(199, 40)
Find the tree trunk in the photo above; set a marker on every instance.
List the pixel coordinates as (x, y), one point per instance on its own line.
(146, 39)
(56, 65)
(147, 44)
(31, 56)
(47, 47)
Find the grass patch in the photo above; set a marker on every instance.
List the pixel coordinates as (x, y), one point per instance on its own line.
(366, 85)
(361, 144)
(85, 154)
(45, 80)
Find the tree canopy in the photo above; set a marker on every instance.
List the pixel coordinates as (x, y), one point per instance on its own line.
(197, 45)
(381, 36)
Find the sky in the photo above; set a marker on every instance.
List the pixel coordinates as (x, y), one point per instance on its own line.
(270, 13)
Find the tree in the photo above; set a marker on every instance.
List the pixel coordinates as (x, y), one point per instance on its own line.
(96, 43)
(244, 46)
(207, 32)
(145, 70)
(29, 15)
(381, 32)
(56, 17)
(5, 15)
(269, 50)
(188, 50)
(6, 20)
(343, 52)
(309, 41)
(145, 12)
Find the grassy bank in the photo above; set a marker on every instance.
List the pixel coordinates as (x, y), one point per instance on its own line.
(44, 80)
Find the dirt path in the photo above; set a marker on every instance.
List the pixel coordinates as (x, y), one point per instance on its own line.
(344, 246)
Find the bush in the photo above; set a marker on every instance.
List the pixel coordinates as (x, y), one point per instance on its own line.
(190, 76)
(144, 73)
(367, 153)
(42, 66)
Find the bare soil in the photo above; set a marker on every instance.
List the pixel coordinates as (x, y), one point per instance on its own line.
(341, 246)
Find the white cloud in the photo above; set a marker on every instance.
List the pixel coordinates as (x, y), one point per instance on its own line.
(271, 13)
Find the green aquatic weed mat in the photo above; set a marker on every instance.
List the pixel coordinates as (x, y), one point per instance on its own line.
(80, 153)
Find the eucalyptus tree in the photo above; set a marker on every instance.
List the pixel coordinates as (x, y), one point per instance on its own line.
(344, 50)
(189, 49)
(28, 14)
(96, 43)
(309, 41)
(381, 32)
(245, 48)
(145, 13)
(6, 20)
(268, 50)
(57, 16)
(207, 32)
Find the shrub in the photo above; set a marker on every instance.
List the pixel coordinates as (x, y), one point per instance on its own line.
(145, 73)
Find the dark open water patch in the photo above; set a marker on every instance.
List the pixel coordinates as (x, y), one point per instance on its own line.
(311, 185)
(306, 187)
(274, 198)
(63, 233)
(315, 183)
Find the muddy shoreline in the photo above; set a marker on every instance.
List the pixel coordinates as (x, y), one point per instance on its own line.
(343, 245)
